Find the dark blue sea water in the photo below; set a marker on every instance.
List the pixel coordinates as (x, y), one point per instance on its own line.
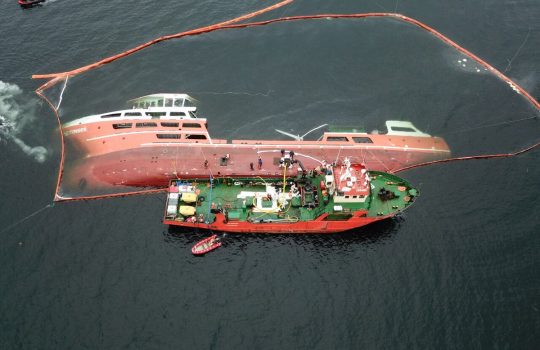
(460, 270)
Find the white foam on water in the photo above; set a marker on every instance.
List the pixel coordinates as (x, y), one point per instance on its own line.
(528, 82)
(464, 64)
(15, 113)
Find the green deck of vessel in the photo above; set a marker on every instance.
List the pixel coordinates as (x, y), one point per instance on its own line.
(224, 194)
(380, 207)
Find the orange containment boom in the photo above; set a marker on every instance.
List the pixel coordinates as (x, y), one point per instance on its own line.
(233, 24)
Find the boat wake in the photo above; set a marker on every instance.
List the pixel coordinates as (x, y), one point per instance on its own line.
(14, 117)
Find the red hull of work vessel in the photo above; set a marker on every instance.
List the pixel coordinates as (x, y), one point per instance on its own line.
(318, 226)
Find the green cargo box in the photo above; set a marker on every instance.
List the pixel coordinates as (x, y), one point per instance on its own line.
(240, 203)
(234, 214)
(266, 204)
(296, 202)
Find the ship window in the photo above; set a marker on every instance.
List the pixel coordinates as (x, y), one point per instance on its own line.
(146, 125)
(402, 128)
(160, 103)
(155, 114)
(362, 140)
(337, 138)
(191, 125)
(112, 115)
(355, 196)
(132, 114)
(122, 126)
(168, 102)
(178, 102)
(168, 136)
(170, 125)
(177, 114)
(153, 104)
(196, 137)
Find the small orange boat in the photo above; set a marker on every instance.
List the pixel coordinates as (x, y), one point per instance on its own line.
(29, 3)
(206, 245)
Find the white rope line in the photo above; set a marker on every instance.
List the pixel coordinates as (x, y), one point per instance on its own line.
(25, 218)
(62, 92)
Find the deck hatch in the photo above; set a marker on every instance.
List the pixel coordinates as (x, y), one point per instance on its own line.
(337, 139)
(122, 125)
(146, 125)
(168, 136)
(362, 140)
(111, 115)
(170, 125)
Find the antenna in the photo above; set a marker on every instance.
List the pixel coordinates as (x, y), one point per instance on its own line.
(298, 137)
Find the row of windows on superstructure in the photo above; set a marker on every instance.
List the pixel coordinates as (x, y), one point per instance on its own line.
(178, 136)
(167, 102)
(150, 114)
(153, 125)
(346, 139)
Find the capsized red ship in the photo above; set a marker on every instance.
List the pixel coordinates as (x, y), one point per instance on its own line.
(324, 200)
(160, 138)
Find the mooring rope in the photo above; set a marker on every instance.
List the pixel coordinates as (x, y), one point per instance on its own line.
(508, 122)
(59, 198)
(480, 156)
(26, 218)
(62, 93)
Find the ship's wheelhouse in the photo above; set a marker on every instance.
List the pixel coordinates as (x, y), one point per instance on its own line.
(164, 100)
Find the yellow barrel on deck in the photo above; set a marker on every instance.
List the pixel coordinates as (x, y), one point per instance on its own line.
(189, 197)
(187, 210)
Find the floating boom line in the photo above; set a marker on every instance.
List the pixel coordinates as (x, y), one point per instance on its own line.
(480, 156)
(233, 24)
(191, 32)
(227, 25)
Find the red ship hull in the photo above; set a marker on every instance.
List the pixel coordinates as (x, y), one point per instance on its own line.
(157, 165)
(318, 226)
(160, 138)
